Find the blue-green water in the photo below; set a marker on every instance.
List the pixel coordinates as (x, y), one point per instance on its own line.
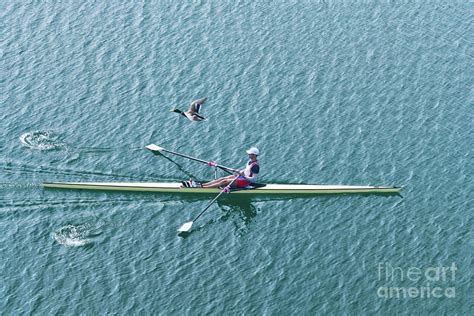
(335, 93)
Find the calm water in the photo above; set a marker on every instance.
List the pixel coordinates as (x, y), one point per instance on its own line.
(348, 93)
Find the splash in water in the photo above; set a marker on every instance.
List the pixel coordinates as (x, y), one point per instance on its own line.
(41, 140)
(74, 235)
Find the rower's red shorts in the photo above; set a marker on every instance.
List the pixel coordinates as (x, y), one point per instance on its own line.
(241, 182)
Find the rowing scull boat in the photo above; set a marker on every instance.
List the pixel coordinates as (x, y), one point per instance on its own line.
(257, 189)
(175, 187)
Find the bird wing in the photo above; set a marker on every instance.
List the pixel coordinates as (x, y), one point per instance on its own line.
(196, 105)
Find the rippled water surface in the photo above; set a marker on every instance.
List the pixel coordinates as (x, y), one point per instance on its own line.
(333, 93)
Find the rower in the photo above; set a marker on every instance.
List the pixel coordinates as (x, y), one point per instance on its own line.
(246, 176)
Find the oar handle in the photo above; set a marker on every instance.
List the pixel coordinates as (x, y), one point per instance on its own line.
(214, 164)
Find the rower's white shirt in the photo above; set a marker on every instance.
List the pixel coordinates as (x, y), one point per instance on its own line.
(247, 171)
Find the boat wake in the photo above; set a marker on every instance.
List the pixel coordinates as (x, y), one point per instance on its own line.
(75, 235)
(18, 167)
(13, 185)
(41, 140)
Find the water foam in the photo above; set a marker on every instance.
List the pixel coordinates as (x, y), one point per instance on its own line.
(41, 140)
(74, 235)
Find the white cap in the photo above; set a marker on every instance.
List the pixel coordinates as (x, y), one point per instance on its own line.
(253, 150)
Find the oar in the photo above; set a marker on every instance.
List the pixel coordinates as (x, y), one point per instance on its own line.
(186, 227)
(157, 149)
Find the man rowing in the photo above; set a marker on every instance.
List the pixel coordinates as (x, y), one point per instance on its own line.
(246, 176)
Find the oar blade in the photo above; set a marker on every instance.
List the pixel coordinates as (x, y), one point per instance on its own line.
(186, 227)
(154, 148)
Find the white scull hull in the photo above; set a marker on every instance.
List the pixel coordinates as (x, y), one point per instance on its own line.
(175, 187)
